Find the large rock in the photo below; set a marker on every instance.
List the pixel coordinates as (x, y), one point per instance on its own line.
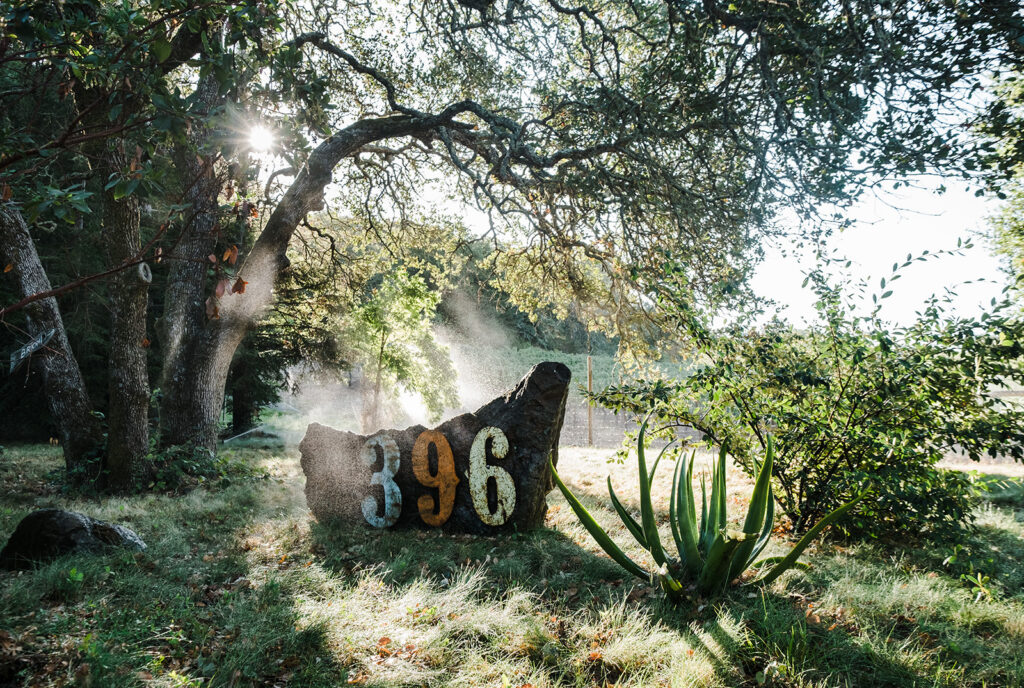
(340, 466)
(49, 533)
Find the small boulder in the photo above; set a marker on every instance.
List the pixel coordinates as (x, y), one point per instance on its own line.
(49, 533)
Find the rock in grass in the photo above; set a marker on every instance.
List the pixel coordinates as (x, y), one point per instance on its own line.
(397, 478)
(49, 533)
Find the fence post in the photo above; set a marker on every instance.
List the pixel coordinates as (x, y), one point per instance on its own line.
(590, 407)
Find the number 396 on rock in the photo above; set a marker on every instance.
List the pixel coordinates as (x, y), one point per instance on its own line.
(381, 509)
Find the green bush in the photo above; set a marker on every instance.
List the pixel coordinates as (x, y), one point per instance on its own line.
(710, 554)
(851, 400)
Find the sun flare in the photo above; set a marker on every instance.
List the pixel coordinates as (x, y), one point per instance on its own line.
(261, 139)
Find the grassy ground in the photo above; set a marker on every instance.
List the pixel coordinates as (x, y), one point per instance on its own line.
(240, 587)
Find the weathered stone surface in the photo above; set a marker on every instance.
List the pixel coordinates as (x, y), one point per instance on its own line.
(48, 533)
(530, 416)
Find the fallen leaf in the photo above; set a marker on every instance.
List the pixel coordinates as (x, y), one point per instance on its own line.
(239, 286)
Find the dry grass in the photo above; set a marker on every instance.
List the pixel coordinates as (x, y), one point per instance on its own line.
(240, 587)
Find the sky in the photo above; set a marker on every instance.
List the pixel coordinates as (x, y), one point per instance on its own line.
(886, 229)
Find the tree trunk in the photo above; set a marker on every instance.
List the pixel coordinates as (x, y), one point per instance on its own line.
(193, 376)
(66, 396)
(243, 404)
(128, 408)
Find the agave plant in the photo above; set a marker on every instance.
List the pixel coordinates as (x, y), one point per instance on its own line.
(709, 553)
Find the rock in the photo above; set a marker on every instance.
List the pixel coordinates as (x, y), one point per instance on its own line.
(49, 533)
(509, 491)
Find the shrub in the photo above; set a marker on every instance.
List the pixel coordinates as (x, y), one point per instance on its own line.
(849, 400)
(710, 554)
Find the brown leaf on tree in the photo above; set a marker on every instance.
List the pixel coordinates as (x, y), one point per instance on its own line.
(6, 193)
(254, 211)
(221, 288)
(8, 267)
(231, 255)
(239, 286)
(213, 258)
(212, 312)
(145, 342)
(158, 253)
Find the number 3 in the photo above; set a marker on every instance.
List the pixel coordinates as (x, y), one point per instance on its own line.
(480, 471)
(384, 477)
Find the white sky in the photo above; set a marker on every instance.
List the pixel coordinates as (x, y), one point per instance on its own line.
(883, 235)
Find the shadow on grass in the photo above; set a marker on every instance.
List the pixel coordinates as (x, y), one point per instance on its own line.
(189, 611)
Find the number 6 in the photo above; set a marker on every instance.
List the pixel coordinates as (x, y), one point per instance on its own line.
(384, 477)
(480, 471)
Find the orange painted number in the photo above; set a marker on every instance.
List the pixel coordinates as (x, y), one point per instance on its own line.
(445, 480)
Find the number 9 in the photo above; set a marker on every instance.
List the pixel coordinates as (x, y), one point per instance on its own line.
(445, 480)
(384, 477)
(480, 471)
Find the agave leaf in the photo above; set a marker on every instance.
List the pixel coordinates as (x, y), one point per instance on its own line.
(627, 519)
(689, 493)
(774, 560)
(702, 543)
(684, 526)
(715, 573)
(716, 505)
(673, 511)
(654, 467)
(790, 559)
(646, 508)
(597, 532)
(756, 512)
(722, 512)
(766, 532)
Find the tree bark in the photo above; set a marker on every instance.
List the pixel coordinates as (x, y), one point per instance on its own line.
(191, 380)
(243, 405)
(128, 408)
(66, 395)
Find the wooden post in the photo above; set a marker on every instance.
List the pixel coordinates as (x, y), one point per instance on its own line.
(590, 406)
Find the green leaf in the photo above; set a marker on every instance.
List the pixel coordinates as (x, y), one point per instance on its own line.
(632, 526)
(161, 49)
(646, 507)
(597, 532)
(757, 510)
(790, 559)
(683, 516)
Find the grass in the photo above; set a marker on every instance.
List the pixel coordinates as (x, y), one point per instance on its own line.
(240, 587)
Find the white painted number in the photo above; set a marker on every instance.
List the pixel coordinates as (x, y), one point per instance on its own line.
(384, 477)
(480, 471)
